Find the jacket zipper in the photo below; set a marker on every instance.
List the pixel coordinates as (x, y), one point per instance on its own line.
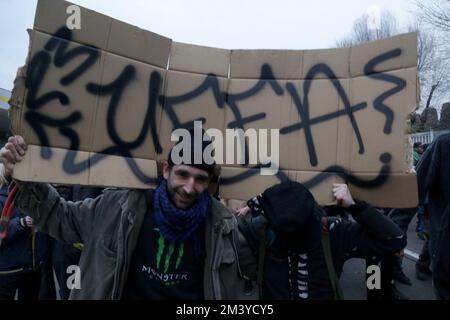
(248, 286)
(33, 247)
(234, 244)
(125, 255)
(122, 256)
(119, 264)
(217, 228)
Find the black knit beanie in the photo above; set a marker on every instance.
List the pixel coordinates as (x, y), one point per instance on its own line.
(202, 165)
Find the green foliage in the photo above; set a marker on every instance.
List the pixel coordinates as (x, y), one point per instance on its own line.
(429, 119)
(414, 123)
(444, 122)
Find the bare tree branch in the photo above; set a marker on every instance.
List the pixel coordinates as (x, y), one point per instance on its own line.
(363, 31)
(432, 50)
(435, 12)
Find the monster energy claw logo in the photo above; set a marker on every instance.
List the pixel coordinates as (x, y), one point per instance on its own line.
(170, 251)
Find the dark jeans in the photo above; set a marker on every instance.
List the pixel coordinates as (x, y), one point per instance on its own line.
(402, 218)
(28, 285)
(48, 289)
(391, 264)
(424, 257)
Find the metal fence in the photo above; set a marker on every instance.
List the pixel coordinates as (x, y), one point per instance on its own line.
(426, 137)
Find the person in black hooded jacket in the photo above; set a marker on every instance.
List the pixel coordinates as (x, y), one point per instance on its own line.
(289, 221)
(433, 177)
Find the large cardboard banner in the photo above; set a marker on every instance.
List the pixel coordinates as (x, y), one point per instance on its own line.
(98, 105)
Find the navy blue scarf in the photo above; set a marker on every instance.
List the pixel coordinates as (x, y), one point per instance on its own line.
(176, 224)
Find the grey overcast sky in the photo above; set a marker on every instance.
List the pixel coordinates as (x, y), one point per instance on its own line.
(230, 24)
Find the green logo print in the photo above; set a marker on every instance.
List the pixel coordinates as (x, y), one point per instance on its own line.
(170, 251)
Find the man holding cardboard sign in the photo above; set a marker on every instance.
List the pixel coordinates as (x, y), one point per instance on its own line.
(173, 242)
(93, 99)
(176, 241)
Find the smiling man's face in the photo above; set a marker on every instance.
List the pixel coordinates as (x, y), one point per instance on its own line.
(185, 184)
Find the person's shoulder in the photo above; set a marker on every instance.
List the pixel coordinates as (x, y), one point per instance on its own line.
(445, 136)
(115, 193)
(442, 139)
(219, 208)
(111, 193)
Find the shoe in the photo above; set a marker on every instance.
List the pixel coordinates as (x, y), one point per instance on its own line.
(422, 272)
(402, 278)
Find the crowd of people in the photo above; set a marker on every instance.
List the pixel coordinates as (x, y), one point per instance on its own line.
(178, 241)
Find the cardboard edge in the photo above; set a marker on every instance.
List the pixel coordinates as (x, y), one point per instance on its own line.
(19, 91)
(264, 56)
(186, 57)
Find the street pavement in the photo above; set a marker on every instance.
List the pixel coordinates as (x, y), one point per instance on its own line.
(353, 280)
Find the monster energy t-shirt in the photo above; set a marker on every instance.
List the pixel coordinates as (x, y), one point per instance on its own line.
(161, 269)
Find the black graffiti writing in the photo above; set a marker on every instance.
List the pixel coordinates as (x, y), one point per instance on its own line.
(37, 69)
(266, 79)
(62, 56)
(400, 84)
(339, 171)
(58, 46)
(211, 82)
(303, 109)
(35, 75)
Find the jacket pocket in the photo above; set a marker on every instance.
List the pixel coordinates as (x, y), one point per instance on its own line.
(228, 256)
(108, 246)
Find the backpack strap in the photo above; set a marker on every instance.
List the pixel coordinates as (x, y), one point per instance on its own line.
(7, 212)
(261, 256)
(337, 290)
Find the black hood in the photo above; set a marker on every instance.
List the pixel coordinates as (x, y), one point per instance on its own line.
(288, 207)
